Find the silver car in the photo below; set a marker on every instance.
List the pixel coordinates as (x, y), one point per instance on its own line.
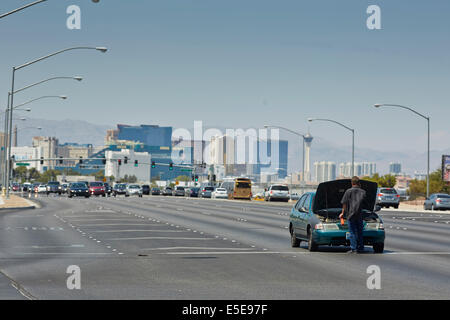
(277, 192)
(388, 197)
(133, 190)
(437, 201)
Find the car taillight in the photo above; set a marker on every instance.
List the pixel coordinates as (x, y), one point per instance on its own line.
(380, 226)
(438, 200)
(271, 191)
(318, 226)
(398, 196)
(380, 194)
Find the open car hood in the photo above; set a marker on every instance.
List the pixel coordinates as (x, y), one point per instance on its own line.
(329, 194)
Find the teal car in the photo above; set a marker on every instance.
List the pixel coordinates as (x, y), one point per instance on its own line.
(315, 217)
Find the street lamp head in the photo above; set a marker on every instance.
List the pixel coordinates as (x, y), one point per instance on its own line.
(266, 126)
(102, 49)
(310, 119)
(39, 128)
(27, 109)
(63, 97)
(78, 78)
(377, 105)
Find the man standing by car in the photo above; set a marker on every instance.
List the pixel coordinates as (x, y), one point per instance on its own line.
(351, 209)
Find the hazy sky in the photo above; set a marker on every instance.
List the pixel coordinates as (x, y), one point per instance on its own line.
(235, 63)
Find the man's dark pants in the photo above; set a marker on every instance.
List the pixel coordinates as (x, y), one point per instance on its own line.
(355, 227)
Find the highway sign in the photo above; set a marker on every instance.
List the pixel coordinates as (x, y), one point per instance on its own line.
(22, 164)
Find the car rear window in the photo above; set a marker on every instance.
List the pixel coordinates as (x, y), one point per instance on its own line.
(209, 188)
(388, 191)
(443, 196)
(221, 189)
(280, 188)
(243, 185)
(180, 188)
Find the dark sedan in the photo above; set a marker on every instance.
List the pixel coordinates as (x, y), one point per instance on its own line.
(78, 189)
(145, 189)
(156, 192)
(192, 192)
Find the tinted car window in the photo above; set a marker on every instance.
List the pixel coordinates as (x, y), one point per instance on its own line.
(96, 184)
(388, 191)
(280, 188)
(306, 204)
(300, 202)
(180, 188)
(209, 188)
(443, 196)
(77, 185)
(243, 185)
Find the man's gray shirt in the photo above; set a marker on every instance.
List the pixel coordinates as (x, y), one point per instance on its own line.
(354, 198)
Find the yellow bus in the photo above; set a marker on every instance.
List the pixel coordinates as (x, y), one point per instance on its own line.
(238, 188)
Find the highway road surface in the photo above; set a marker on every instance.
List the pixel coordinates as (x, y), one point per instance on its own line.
(159, 247)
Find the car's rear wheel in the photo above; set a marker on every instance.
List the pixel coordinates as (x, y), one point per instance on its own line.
(312, 246)
(396, 206)
(378, 247)
(295, 242)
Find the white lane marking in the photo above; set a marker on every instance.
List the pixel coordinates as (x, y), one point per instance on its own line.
(198, 248)
(108, 219)
(48, 247)
(64, 253)
(119, 224)
(296, 252)
(419, 253)
(159, 238)
(152, 230)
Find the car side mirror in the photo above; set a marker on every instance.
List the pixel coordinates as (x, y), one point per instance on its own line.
(377, 208)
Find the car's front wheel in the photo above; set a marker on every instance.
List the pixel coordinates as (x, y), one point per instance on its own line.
(378, 247)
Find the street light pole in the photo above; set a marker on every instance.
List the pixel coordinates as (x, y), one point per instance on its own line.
(9, 139)
(21, 8)
(353, 138)
(11, 103)
(428, 138)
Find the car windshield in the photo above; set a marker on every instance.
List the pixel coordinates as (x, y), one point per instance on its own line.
(53, 183)
(280, 188)
(388, 191)
(194, 189)
(96, 184)
(77, 185)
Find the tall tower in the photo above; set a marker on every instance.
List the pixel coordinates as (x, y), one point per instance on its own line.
(307, 170)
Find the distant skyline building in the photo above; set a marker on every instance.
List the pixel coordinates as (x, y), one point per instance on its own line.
(325, 171)
(49, 149)
(362, 169)
(395, 168)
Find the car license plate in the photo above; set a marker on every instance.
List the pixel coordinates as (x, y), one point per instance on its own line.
(347, 235)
